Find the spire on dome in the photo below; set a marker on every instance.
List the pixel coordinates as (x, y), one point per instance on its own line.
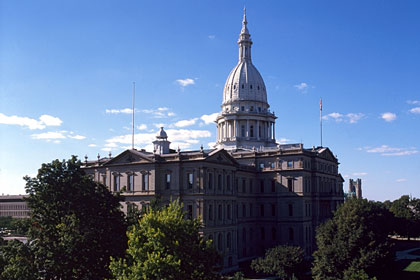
(244, 41)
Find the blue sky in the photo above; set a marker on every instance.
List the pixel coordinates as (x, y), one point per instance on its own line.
(67, 70)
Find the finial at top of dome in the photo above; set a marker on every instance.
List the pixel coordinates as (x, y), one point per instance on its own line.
(244, 23)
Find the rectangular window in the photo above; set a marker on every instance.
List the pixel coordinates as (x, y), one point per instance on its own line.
(262, 234)
(273, 210)
(219, 182)
(273, 185)
(168, 181)
(242, 130)
(290, 210)
(145, 182)
(190, 179)
(291, 234)
(290, 184)
(243, 185)
(104, 179)
(262, 210)
(243, 210)
(251, 183)
(210, 212)
(289, 164)
(210, 183)
(116, 183)
(228, 212)
(130, 182)
(262, 186)
(250, 210)
(228, 182)
(190, 212)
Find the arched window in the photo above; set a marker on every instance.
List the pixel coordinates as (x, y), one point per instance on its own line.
(251, 131)
(220, 212)
(220, 242)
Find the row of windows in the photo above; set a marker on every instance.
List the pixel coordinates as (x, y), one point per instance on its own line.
(221, 215)
(243, 86)
(13, 207)
(116, 182)
(14, 213)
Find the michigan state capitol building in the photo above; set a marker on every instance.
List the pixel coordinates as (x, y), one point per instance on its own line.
(249, 192)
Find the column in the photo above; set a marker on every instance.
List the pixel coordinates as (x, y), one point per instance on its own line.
(225, 127)
(274, 131)
(235, 123)
(247, 129)
(258, 130)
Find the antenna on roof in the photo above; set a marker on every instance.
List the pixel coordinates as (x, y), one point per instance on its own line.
(320, 117)
(132, 120)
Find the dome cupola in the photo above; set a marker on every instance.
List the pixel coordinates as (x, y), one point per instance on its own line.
(245, 121)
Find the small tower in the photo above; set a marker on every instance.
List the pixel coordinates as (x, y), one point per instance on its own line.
(161, 144)
(355, 188)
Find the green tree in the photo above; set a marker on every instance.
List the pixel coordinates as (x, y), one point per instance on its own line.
(284, 261)
(16, 261)
(407, 214)
(354, 242)
(165, 245)
(77, 224)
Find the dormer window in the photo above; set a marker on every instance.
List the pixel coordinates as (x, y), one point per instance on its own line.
(243, 86)
(252, 108)
(250, 86)
(242, 108)
(259, 109)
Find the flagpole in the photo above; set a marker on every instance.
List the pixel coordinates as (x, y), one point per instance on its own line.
(320, 117)
(132, 119)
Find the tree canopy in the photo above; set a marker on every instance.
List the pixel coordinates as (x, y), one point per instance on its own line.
(407, 216)
(284, 261)
(165, 245)
(354, 242)
(77, 224)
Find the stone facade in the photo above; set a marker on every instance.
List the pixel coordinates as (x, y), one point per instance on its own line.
(249, 192)
(13, 206)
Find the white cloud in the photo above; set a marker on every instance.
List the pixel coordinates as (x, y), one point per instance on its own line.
(183, 138)
(49, 135)
(208, 119)
(92, 145)
(386, 150)
(211, 144)
(185, 82)
(283, 141)
(350, 117)
(159, 113)
(50, 120)
(211, 37)
(401, 180)
(142, 127)
(43, 122)
(413, 102)
(53, 136)
(415, 110)
(77, 137)
(119, 111)
(388, 116)
(359, 174)
(302, 86)
(184, 123)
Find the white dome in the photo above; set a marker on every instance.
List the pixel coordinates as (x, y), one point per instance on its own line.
(161, 134)
(244, 83)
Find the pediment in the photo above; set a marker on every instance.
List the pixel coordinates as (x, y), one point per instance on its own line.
(221, 156)
(327, 154)
(129, 156)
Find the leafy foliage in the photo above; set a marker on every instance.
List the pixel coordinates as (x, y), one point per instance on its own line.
(16, 261)
(407, 215)
(354, 243)
(77, 224)
(165, 245)
(283, 261)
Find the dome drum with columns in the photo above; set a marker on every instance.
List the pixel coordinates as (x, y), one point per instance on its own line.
(245, 121)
